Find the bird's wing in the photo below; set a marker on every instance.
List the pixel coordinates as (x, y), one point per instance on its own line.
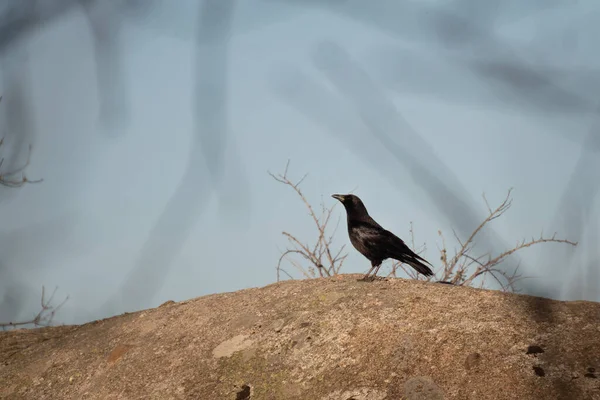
(377, 240)
(374, 233)
(399, 248)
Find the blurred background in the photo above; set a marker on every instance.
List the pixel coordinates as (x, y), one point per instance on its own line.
(153, 125)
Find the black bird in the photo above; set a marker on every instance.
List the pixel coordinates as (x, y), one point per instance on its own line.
(374, 242)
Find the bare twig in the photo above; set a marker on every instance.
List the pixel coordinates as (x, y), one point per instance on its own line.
(320, 256)
(47, 312)
(44, 317)
(463, 268)
(9, 178)
(458, 269)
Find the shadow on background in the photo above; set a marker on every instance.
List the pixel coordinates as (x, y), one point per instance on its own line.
(463, 31)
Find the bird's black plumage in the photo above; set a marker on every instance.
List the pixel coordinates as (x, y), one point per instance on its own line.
(373, 241)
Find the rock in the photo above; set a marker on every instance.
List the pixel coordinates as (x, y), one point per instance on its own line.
(422, 388)
(472, 361)
(324, 339)
(357, 394)
(278, 325)
(533, 349)
(230, 346)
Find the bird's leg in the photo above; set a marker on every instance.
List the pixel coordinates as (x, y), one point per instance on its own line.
(366, 277)
(376, 271)
(371, 278)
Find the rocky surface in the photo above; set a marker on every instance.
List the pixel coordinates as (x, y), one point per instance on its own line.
(323, 339)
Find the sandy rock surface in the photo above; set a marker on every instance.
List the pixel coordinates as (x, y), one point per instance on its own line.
(323, 339)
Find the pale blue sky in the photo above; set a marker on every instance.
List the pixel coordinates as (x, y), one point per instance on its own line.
(84, 227)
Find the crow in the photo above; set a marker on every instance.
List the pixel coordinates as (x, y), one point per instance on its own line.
(374, 242)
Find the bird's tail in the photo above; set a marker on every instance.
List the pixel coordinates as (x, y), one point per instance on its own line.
(419, 266)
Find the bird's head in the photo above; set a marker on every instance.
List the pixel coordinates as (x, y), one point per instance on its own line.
(353, 204)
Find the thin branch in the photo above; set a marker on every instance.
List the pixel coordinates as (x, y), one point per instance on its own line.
(6, 179)
(505, 205)
(285, 272)
(305, 252)
(322, 247)
(492, 262)
(44, 317)
(283, 255)
(299, 268)
(459, 269)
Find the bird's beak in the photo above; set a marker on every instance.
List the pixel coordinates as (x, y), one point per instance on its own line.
(339, 197)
